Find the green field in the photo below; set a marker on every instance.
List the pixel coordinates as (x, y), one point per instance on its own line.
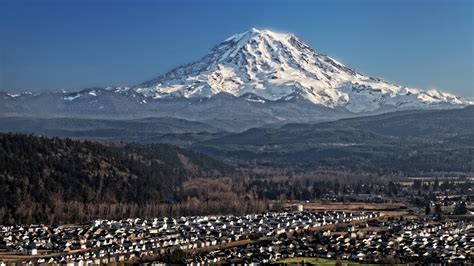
(316, 261)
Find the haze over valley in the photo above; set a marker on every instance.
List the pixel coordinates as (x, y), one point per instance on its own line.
(261, 151)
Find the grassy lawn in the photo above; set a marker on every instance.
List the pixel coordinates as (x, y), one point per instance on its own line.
(316, 261)
(14, 256)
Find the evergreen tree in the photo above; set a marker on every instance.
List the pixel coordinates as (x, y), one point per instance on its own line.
(460, 208)
(428, 209)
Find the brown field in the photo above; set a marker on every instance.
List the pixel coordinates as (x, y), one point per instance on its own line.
(389, 209)
(15, 256)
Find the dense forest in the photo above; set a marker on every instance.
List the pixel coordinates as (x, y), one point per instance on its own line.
(57, 180)
(54, 180)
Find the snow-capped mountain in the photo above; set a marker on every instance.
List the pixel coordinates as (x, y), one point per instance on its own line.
(251, 79)
(279, 66)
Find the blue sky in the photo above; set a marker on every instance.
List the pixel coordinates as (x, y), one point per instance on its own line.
(72, 44)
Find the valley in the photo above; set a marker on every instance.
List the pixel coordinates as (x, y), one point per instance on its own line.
(263, 151)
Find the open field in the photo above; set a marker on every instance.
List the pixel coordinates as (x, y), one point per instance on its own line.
(7, 256)
(316, 261)
(389, 209)
(348, 206)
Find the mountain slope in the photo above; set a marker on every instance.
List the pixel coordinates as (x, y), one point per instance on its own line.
(234, 113)
(276, 66)
(39, 177)
(137, 130)
(410, 141)
(425, 124)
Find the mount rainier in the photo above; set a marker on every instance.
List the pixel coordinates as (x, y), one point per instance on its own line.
(257, 75)
(278, 66)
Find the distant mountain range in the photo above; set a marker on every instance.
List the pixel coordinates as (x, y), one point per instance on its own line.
(254, 78)
(414, 141)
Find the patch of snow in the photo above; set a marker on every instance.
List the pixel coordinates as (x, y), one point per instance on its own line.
(72, 98)
(122, 89)
(255, 100)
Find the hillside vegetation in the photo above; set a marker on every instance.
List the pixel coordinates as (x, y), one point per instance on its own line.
(409, 142)
(61, 180)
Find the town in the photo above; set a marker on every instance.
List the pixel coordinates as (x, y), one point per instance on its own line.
(271, 237)
(105, 241)
(397, 241)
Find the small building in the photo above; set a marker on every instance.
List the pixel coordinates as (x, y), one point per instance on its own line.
(31, 249)
(297, 207)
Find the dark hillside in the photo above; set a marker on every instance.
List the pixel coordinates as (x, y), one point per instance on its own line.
(38, 173)
(410, 142)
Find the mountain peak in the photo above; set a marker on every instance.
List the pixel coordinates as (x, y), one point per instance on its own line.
(258, 33)
(274, 66)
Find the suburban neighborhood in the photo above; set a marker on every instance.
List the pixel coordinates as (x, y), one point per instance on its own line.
(104, 241)
(257, 238)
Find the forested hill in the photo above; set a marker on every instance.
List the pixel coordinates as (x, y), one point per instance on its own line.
(41, 178)
(409, 142)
